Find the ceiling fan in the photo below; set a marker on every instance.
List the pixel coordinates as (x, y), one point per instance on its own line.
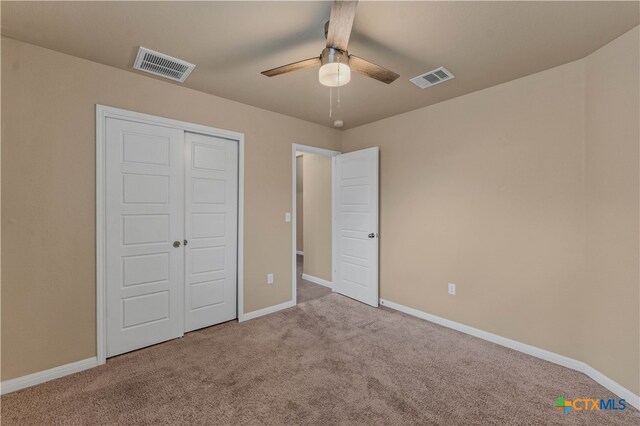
(335, 61)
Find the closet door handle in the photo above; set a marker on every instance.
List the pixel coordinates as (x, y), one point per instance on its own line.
(176, 244)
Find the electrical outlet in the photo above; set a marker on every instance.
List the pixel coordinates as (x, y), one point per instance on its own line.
(269, 278)
(452, 289)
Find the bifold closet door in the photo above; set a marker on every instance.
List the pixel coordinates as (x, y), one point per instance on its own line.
(210, 230)
(144, 167)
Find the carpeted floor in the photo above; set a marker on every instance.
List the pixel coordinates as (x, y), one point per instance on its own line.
(307, 290)
(331, 360)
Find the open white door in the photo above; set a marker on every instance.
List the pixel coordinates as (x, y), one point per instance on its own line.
(356, 221)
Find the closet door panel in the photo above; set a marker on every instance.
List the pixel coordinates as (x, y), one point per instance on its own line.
(144, 186)
(211, 210)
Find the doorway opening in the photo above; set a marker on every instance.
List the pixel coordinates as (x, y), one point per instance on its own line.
(313, 222)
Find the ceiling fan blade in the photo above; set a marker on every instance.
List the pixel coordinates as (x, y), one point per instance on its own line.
(372, 70)
(342, 15)
(307, 63)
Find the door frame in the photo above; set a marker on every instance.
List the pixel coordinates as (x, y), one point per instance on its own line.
(294, 221)
(102, 113)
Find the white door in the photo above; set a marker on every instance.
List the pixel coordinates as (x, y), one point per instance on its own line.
(356, 214)
(210, 230)
(144, 217)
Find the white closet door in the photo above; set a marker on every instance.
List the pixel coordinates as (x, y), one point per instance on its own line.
(211, 230)
(356, 213)
(144, 216)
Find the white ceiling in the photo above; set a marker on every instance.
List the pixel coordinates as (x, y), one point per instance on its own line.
(481, 43)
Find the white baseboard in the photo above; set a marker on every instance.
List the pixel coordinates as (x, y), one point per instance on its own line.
(18, 383)
(555, 358)
(44, 376)
(267, 311)
(317, 280)
(612, 385)
(64, 370)
(300, 252)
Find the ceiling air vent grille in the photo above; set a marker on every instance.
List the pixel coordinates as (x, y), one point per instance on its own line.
(432, 78)
(162, 65)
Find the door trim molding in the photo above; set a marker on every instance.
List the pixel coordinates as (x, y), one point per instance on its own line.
(544, 354)
(294, 249)
(102, 113)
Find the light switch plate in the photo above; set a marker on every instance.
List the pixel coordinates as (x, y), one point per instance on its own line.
(287, 217)
(269, 278)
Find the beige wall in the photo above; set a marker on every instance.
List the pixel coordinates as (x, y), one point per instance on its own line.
(48, 194)
(317, 216)
(509, 193)
(486, 191)
(299, 202)
(611, 333)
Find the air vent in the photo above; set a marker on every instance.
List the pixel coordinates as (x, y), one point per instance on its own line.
(432, 78)
(162, 65)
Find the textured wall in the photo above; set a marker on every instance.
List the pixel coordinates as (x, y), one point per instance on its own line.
(612, 318)
(487, 191)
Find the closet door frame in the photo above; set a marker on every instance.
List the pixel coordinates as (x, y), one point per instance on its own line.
(102, 113)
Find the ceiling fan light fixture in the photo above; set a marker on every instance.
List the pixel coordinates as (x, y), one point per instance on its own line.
(335, 69)
(335, 62)
(334, 74)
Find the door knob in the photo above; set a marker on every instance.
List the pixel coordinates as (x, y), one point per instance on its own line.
(372, 235)
(176, 244)
(186, 242)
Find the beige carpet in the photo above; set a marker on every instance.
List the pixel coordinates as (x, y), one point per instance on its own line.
(328, 361)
